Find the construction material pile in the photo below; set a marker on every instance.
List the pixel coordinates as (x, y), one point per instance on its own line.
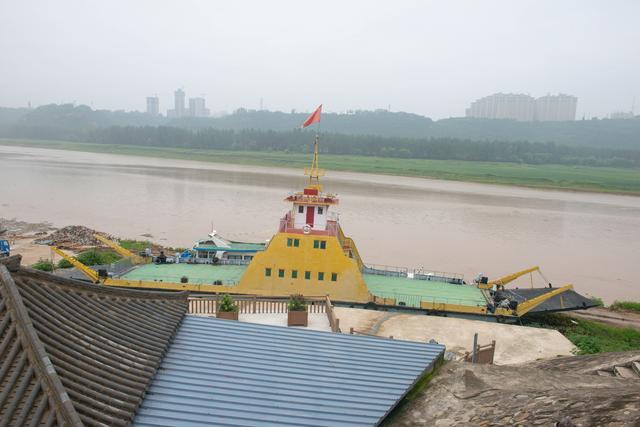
(72, 237)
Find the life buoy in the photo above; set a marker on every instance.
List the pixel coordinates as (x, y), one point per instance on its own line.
(306, 229)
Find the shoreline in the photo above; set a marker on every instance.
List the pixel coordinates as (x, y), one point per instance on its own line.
(579, 179)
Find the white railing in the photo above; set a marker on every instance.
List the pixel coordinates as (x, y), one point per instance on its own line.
(416, 273)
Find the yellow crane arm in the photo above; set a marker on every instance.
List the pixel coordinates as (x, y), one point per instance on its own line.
(528, 305)
(90, 273)
(136, 259)
(507, 279)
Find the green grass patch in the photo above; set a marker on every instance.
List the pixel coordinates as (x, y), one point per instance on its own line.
(625, 306)
(135, 246)
(97, 257)
(43, 265)
(63, 263)
(588, 336)
(582, 178)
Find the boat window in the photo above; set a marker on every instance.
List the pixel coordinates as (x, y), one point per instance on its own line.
(267, 272)
(323, 244)
(307, 275)
(289, 242)
(320, 210)
(280, 273)
(294, 274)
(296, 243)
(320, 275)
(316, 244)
(300, 209)
(334, 277)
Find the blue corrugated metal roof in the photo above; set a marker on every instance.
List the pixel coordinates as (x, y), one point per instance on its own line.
(221, 372)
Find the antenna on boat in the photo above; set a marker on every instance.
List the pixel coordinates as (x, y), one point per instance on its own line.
(314, 172)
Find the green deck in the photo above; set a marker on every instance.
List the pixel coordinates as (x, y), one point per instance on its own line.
(196, 273)
(412, 291)
(409, 291)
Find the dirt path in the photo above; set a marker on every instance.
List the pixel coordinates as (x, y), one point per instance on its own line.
(31, 252)
(615, 318)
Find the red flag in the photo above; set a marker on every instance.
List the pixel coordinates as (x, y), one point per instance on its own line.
(313, 118)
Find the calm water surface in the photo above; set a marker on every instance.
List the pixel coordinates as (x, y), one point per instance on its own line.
(591, 240)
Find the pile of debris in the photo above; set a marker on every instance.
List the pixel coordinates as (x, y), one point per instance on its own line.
(72, 237)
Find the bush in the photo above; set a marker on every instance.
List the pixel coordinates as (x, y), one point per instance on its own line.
(588, 336)
(43, 265)
(597, 300)
(227, 305)
(625, 306)
(95, 257)
(297, 303)
(63, 263)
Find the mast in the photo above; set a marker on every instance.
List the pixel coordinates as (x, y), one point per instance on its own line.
(314, 172)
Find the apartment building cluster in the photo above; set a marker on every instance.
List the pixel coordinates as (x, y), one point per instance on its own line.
(196, 108)
(524, 108)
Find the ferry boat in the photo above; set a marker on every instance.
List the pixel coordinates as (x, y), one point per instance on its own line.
(311, 255)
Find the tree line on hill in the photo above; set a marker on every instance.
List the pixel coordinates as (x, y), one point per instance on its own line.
(83, 124)
(620, 134)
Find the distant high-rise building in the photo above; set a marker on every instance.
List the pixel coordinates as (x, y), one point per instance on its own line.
(503, 106)
(178, 105)
(197, 107)
(153, 105)
(179, 102)
(621, 115)
(556, 108)
(524, 108)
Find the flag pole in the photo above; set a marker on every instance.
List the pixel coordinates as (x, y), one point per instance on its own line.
(315, 148)
(314, 171)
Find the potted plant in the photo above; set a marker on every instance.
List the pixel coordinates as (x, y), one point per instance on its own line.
(227, 309)
(297, 314)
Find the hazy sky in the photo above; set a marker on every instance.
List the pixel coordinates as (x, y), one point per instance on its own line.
(431, 58)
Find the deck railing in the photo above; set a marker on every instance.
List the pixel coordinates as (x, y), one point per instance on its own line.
(226, 261)
(416, 273)
(393, 298)
(208, 305)
(287, 226)
(334, 322)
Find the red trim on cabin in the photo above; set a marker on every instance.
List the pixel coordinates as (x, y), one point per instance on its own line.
(311, 191)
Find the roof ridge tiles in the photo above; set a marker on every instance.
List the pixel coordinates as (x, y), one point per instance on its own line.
(35, 351)
(52, 374)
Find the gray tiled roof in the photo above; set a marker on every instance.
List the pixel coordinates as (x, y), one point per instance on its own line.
(220, 372)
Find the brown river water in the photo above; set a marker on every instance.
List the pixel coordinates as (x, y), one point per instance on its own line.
(590, 240)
